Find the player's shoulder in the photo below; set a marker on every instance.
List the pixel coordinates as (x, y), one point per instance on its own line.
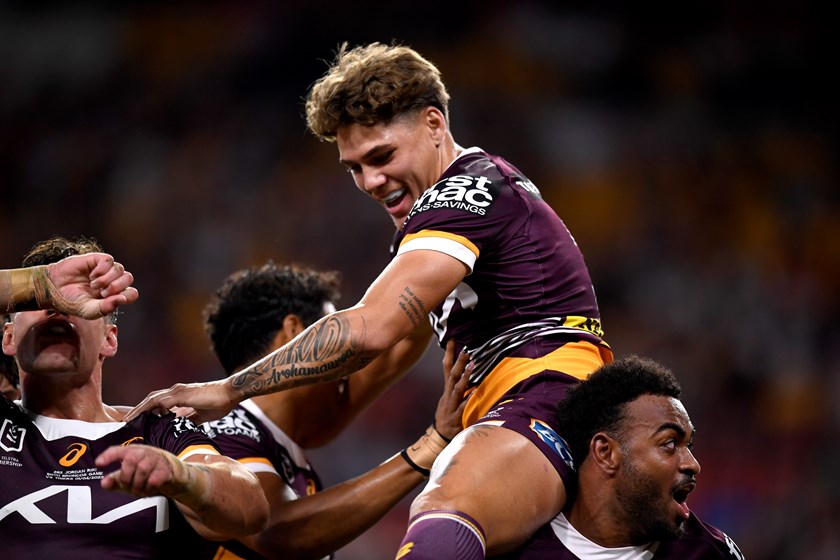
(155, 427)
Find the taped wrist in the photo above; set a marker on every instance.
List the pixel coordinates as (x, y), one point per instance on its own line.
(423, 452)
(25, 289)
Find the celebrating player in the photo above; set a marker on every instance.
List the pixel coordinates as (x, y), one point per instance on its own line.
(78, 480)
(480, 254)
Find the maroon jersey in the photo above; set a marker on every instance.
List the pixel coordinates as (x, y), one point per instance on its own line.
(249, 436)
(51, 501)
(528, 290)
(560, 541)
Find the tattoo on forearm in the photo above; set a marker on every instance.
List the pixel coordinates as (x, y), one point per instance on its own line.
(327, 350)
(412, 306)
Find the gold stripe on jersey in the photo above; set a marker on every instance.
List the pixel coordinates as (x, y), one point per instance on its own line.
(196, 450)
(577, 359)
(252, 460)
(225, 554)
(460, 239)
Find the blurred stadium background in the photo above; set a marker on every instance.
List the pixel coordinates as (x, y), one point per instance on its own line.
(692, 153)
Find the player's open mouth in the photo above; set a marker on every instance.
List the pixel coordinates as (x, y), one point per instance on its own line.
(56, 329)
(393, 198)
(680, 495)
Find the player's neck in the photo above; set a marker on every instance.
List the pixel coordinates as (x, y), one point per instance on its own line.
(593, 515)
(66, 398)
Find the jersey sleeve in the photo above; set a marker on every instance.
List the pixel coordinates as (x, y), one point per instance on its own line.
(240, 438)
(178, 435)
(462, 215)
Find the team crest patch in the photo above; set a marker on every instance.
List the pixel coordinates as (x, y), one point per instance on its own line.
(553, 440)
(182, 425)
(11, 436)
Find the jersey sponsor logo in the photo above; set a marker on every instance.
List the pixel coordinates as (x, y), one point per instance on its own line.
(11, 436)
(553, 440)
(80, 506)
(75, 453)
(236, 423)
(461, 192)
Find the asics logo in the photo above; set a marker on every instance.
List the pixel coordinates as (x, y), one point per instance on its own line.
(75, 453)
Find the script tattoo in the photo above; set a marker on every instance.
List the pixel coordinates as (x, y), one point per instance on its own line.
(412, 306)
(325, 351)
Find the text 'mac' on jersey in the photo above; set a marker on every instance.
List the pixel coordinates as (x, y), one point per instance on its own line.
(525, 266)
(51, 501)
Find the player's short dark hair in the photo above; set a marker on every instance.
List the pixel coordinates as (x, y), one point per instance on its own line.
(246, 313)
(56, 248)
(598, 403)
(373, 84)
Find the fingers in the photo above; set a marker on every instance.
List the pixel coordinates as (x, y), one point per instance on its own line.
(111, 303)
(183, 411)
(463, 381)
(448, 358)
(101, 264)
(113, 281)
(151, 402)
(143, 470)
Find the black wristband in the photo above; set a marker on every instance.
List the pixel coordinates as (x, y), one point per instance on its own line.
(413, 465)
(443, 437)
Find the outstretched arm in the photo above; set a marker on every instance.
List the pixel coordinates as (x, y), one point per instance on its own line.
(220, 498)
(320, 416)
(333, 347)
(90, 286)
(314, 526)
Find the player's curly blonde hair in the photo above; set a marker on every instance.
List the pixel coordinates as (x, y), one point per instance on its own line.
(373, 84)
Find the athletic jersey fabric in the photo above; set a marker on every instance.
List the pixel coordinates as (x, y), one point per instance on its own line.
(51, 501)
(528, 291)
(249, 436)
(560, 541)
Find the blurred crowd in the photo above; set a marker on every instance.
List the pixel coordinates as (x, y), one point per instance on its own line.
(694, 161)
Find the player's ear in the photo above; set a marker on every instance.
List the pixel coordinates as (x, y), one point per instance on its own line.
(435, 121)
(8, 339)
(110, 342)
(605, 452)
(292, 326)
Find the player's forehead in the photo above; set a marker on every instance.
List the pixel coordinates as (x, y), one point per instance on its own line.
(648, 415)
(356, 142)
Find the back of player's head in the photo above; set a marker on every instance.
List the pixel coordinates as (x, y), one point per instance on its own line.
(248, 310)
(373, 84)
(598, 403)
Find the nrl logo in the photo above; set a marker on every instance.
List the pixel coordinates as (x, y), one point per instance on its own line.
(11, 436)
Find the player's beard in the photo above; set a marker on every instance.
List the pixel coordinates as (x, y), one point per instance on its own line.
(650, 514)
